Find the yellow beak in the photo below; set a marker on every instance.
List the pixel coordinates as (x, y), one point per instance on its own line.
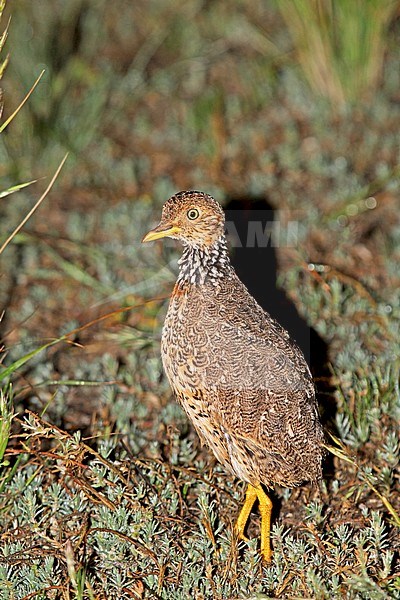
(161, 231)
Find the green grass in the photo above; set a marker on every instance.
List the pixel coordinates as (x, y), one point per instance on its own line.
(106, 492)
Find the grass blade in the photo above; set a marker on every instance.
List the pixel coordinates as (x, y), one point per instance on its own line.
(24, 359)
(16, 188)
(16, 111)
(36, 206)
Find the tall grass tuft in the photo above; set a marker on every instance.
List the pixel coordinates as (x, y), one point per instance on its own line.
(340, 44)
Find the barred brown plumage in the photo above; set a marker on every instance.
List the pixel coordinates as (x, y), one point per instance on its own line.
(241, 379)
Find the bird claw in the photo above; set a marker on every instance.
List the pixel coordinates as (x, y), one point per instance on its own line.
(266, 555)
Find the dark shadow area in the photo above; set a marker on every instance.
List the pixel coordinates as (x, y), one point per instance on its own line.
(254, 236)
(253, 253)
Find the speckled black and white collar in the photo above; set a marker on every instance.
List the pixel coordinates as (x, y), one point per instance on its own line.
(201, 264)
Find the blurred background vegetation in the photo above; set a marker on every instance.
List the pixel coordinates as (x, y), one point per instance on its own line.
(105, 490)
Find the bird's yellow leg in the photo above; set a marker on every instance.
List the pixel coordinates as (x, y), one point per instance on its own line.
(251, 497)
(265, 505)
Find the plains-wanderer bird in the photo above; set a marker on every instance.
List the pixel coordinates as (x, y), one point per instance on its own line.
(243, 382)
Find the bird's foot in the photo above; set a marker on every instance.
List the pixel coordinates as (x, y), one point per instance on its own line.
(266, 554)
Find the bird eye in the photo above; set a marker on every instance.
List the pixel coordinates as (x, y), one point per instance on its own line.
(192, 214)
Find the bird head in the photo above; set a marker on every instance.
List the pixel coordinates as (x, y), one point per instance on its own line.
(194, 218)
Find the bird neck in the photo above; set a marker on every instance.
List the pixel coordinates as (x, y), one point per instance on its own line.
(201, 264)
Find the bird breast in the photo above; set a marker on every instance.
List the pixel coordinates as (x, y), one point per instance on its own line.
(213, 341)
